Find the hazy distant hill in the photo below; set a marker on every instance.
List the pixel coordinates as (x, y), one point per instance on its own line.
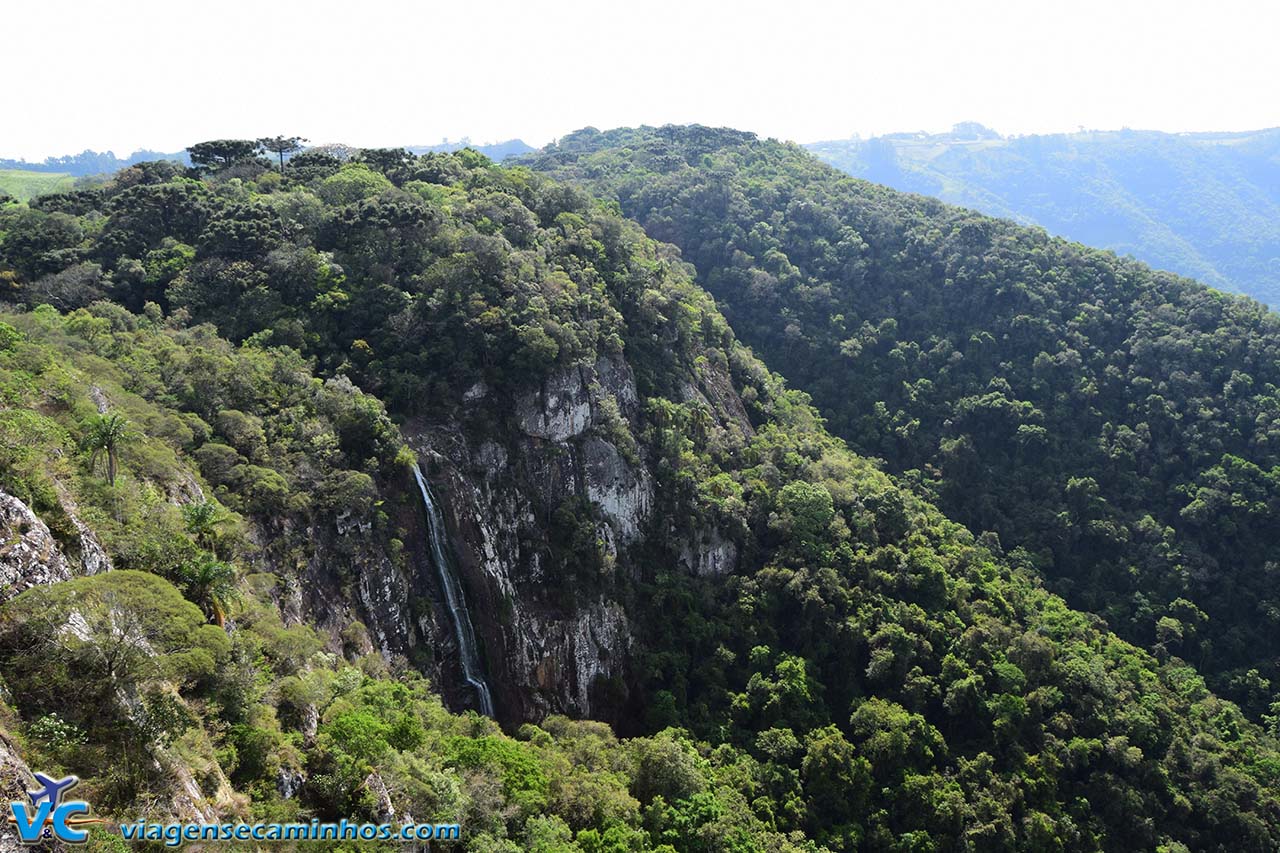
(498, 151)
(91, 162)
(1205, 205)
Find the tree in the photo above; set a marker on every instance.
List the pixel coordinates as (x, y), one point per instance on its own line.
(104, 435)
(667, 765)
(218, 154)
(281, 145)
(384, 160)
(211, 585)
(73, 287)
(202, 520)
(836, 779)
(145, 217)
(805, 511)
(133, 629)
(240, 232)
(313, 163)
(352, 182)
(38, 243)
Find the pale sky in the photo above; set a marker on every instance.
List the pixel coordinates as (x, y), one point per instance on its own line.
(162, 75)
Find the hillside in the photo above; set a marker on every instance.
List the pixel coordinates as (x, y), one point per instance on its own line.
(1205, 205)
(651, 530)
(300, 708)
(1113, 426)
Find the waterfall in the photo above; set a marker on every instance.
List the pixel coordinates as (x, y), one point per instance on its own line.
(468, 649)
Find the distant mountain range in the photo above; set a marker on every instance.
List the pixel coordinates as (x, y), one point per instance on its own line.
(498, 151)
(91, 162)
(1205, 205)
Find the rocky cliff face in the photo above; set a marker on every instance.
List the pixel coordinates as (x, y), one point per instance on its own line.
(15, 781)
(84, 550)
(543, 655)
(573, 442)
(29, 554)
(336, 573)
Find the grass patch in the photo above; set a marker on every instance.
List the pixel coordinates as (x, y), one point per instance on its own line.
(25, 185)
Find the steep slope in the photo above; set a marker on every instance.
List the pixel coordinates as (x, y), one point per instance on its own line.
(1113, 425)
(650, 527)
(1204, 205)
(303, 706)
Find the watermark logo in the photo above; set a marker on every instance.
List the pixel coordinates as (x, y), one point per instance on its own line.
(47, 816)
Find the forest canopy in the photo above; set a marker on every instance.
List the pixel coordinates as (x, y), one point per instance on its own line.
(1113, 426)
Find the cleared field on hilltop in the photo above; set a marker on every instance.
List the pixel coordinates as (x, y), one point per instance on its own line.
(23, 185)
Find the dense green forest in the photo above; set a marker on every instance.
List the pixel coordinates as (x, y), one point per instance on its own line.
(1113, 425)
(195, 355)
(1205, 205)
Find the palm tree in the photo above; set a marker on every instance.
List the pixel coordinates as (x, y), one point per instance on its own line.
(202, 520)
(104, 435)
(210, 584)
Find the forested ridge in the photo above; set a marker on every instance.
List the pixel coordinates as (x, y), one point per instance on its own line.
(1114, 425)
(1206, 205)
(870, 676)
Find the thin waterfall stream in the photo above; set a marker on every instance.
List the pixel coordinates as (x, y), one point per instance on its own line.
(463, 631)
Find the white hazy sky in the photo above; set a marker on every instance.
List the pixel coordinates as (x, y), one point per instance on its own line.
(141, 73)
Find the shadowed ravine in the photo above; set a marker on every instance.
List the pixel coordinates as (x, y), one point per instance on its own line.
(463, 632)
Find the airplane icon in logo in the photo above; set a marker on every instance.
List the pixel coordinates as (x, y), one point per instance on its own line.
(52, 790)
(47, 817)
